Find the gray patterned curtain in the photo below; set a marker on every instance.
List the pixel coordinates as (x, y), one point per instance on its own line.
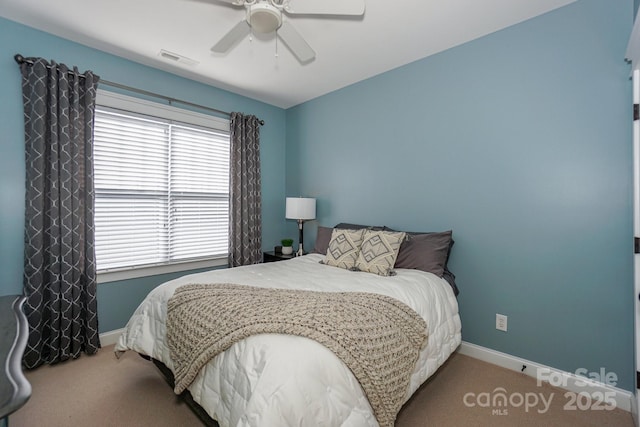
(245, 205)
(59, 269)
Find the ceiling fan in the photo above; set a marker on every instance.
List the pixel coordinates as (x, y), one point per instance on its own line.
(265, 16)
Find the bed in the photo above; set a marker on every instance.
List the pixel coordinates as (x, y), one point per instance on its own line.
(275, 379)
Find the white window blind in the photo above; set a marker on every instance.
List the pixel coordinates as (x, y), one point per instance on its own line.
(162, 190)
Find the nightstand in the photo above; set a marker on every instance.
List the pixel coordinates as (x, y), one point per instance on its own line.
(271, 256)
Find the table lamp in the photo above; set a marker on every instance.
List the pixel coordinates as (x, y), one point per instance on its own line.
(301, 209)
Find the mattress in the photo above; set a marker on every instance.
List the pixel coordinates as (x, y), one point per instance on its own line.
(282, 380)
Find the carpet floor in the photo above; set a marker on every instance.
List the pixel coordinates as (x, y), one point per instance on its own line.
(101, 390)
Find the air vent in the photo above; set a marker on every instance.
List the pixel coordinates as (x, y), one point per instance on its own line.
(174, 57)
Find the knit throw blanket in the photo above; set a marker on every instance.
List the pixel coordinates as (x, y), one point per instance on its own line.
(378, 337)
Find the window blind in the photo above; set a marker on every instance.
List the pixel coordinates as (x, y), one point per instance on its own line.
(162, 190)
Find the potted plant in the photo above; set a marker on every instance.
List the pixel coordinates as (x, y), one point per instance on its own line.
(287, 246)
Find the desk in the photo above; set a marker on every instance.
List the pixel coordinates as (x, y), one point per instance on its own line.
(15, 390)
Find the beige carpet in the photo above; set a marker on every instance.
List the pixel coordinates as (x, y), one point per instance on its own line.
(103, 391)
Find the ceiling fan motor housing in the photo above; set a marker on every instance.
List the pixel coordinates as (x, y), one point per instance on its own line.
(264, 18)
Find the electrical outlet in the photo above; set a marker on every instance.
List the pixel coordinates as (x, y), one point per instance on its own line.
(501, 322)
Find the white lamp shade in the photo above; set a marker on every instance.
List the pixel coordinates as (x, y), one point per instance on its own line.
(301, 208)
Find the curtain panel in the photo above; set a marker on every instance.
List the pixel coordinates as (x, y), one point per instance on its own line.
(245, 204)
(60, 268)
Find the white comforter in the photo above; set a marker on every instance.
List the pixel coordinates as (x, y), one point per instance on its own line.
(283, 380)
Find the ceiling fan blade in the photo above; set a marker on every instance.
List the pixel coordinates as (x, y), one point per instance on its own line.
(233, 2)
(296, 44)
(237, 33)
(325, 7)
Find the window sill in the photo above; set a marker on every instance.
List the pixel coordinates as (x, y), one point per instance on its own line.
(153, 270)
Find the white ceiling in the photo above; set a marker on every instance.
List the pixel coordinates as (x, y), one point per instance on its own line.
(391, 34)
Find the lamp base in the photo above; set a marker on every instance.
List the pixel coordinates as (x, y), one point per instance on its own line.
(300, 251)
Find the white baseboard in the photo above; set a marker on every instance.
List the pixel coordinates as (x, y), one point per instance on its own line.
(634, 411)
(111, 337)
(576, 383)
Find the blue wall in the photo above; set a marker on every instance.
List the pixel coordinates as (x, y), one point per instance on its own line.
(117, 300)
(520, 142)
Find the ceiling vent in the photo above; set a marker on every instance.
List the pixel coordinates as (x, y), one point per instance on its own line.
(174, 57)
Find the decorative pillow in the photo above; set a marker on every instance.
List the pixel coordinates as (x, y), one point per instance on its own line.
(426, 252)
(344, 248)
(322, 240)
(379, 251)
(323, 236)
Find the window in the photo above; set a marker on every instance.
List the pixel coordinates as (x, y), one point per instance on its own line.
(161, 183)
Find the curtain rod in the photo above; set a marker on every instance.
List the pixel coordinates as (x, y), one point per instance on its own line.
(21, 59)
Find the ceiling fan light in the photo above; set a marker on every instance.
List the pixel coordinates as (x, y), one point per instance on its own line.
(264, 18)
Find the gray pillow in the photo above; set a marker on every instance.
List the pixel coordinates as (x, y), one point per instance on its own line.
(322, 240)
(324, 235)
(360, 227)
(426, 252)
